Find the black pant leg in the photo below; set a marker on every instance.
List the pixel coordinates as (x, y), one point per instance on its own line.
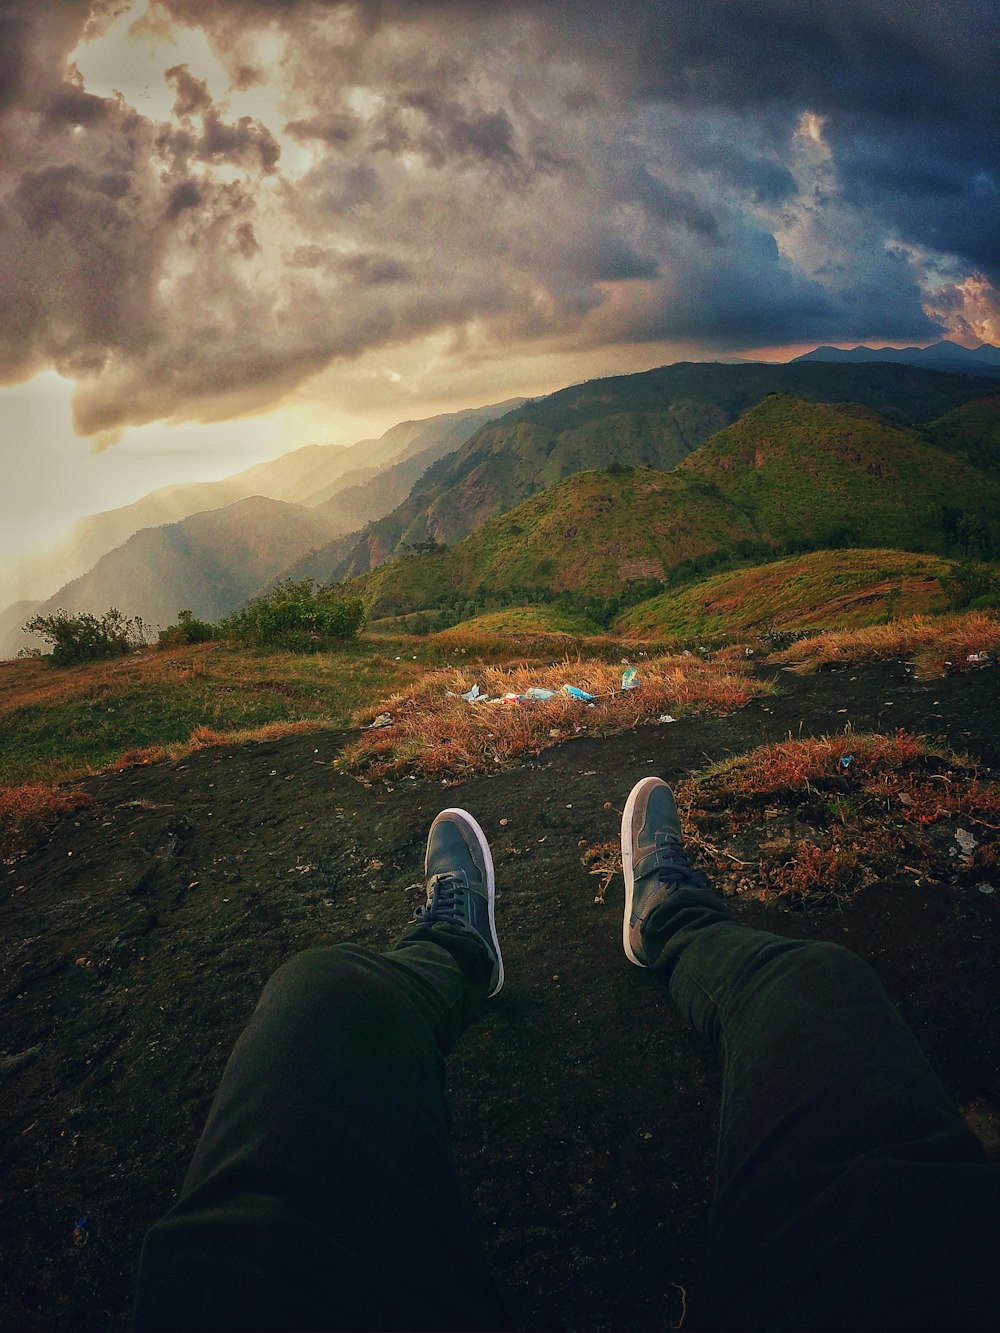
(323, 1194)
(850, 1194)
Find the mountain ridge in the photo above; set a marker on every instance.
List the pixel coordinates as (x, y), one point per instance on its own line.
(789, 474)
(653, 418)
(309, 475)
(208, 563)
(944, 355)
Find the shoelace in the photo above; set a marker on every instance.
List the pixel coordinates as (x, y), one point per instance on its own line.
(448, 894)
(673, 865)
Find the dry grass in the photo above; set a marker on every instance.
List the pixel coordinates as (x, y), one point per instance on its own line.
(28, 812)
(790, 822)
(203, 738)
(443, 736)
(824, 817)
(937, 644)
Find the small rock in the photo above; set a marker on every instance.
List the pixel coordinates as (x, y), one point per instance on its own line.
(967, 841)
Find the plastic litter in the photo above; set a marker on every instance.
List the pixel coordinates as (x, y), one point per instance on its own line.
(977, 657)
(574, 693)
(537, 692)
(80, 1234)
(846, 760)
(383, 720)
(470, 696)
(630, 679)
(665, 717)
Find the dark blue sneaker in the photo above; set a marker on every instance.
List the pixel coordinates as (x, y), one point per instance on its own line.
(460, 883)
(653, 859)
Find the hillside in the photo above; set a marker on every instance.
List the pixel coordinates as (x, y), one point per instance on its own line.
(815, 473)
(208, 563)
(972, 431)
(652, 419)
(308, 476)
(821, 590)
(591, 533)
(788, 474)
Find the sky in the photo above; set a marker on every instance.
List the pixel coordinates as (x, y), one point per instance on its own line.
(229, 228)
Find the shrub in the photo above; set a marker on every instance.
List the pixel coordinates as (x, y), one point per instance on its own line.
(298, 617)
(972, 585)
(187, 630)
(87, 638)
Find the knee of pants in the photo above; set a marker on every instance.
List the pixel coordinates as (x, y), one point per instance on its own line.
(839, 961)
(345, 980)
(827, 972)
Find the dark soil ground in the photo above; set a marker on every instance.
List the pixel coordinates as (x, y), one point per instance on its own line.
(137, 938)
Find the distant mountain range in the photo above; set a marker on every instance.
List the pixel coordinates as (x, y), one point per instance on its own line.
(946, 356)
(309, 476)
(587, 490)
(208, 563)
(112, 567)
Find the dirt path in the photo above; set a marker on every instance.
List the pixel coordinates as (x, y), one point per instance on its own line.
(137, 938)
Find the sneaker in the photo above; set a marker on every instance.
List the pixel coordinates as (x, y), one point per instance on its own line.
(653, 859)
(460, 884)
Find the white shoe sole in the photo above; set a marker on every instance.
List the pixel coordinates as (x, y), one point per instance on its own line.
(473, 825)
(634, 796)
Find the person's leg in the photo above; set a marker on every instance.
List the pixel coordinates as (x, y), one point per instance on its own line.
(850, 1192)
(323, 1193)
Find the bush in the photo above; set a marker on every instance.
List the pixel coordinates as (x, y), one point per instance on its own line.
(298, 617)
(972, 585)
(87, 638)
(187, 630)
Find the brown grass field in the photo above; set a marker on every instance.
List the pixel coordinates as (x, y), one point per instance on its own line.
(437, 733)
(937, 644)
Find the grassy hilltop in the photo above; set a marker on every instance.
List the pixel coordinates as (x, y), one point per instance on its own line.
(789, 474)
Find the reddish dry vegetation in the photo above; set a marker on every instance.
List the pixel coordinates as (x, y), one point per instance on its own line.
(204, 737)
(435, 732)
(937, 644)
(27, 813)
(824, 817)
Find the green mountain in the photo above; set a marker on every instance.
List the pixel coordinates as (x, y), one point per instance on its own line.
(652, 419)
(788, 475)
(972, 431)
(813, 472)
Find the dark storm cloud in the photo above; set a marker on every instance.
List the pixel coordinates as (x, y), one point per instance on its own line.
(936, 189)
(725, 172)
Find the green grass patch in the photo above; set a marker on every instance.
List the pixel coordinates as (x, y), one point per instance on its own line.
(57, 725)
(526, 620)
(822, 590)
